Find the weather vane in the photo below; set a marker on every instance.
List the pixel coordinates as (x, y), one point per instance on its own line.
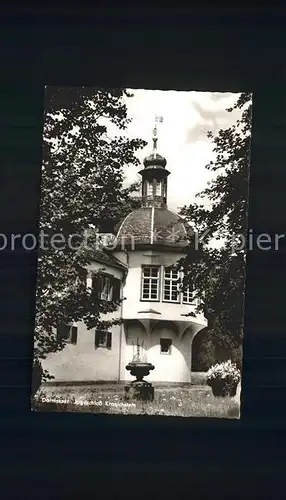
(158, 119)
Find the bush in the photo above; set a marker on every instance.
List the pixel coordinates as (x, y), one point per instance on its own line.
(224, 371)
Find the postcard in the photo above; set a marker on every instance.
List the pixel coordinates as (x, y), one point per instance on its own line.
(142, 252)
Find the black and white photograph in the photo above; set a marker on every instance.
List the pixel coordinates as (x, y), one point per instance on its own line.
(142, 252)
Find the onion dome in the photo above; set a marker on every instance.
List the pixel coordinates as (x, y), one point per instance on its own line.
(155, 160)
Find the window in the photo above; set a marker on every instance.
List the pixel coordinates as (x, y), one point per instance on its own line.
(116, 289)
(150, 283)
(149, 189)
(106, 287)
(188, 296)
(68, 333)
(102, 339)
(165, 346)
(171, 285)
(106, 290)
(158, 188)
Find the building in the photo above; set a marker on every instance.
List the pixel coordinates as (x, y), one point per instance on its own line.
(140, 268)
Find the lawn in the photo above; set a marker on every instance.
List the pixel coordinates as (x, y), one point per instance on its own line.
(195, 401)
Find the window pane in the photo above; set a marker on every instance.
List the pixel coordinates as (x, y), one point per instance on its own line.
(158, 189)
(147, 271)
(150, 282)
(188, 296)
(171, 284)
(102, 337)
(149, 189)
(165, 345)
(154, 271)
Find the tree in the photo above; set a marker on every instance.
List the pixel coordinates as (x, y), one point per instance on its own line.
(218, 274)
(82, 188)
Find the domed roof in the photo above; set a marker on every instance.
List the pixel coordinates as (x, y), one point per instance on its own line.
(153, 160)
(153, 226)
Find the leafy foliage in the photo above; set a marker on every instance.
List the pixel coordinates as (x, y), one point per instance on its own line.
(218, 274)
(82, 187)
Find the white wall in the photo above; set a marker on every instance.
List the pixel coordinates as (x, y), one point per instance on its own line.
(97, 266)
(132, 304)
(83, 362)
(174, 367)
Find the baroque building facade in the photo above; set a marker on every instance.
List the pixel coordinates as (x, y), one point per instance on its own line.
(142, 270)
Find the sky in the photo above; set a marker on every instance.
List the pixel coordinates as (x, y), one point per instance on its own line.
(182, 137)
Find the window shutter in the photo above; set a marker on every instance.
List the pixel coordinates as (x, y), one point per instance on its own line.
(108, 343)
(96, 338)
(116, 289)
(74, 335)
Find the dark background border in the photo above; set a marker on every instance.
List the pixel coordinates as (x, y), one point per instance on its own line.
(230, 50)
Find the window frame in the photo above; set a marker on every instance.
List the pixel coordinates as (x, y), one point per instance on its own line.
(107, 280)
(149, 192)
(159, 185)
(158, 278)
(171, 301)
(105, 276)
(187, 302)
(72, 337)
(108, 339)
(169, 352)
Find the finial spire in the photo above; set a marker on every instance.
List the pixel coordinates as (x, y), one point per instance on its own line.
(158, 119)
(155, 140)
